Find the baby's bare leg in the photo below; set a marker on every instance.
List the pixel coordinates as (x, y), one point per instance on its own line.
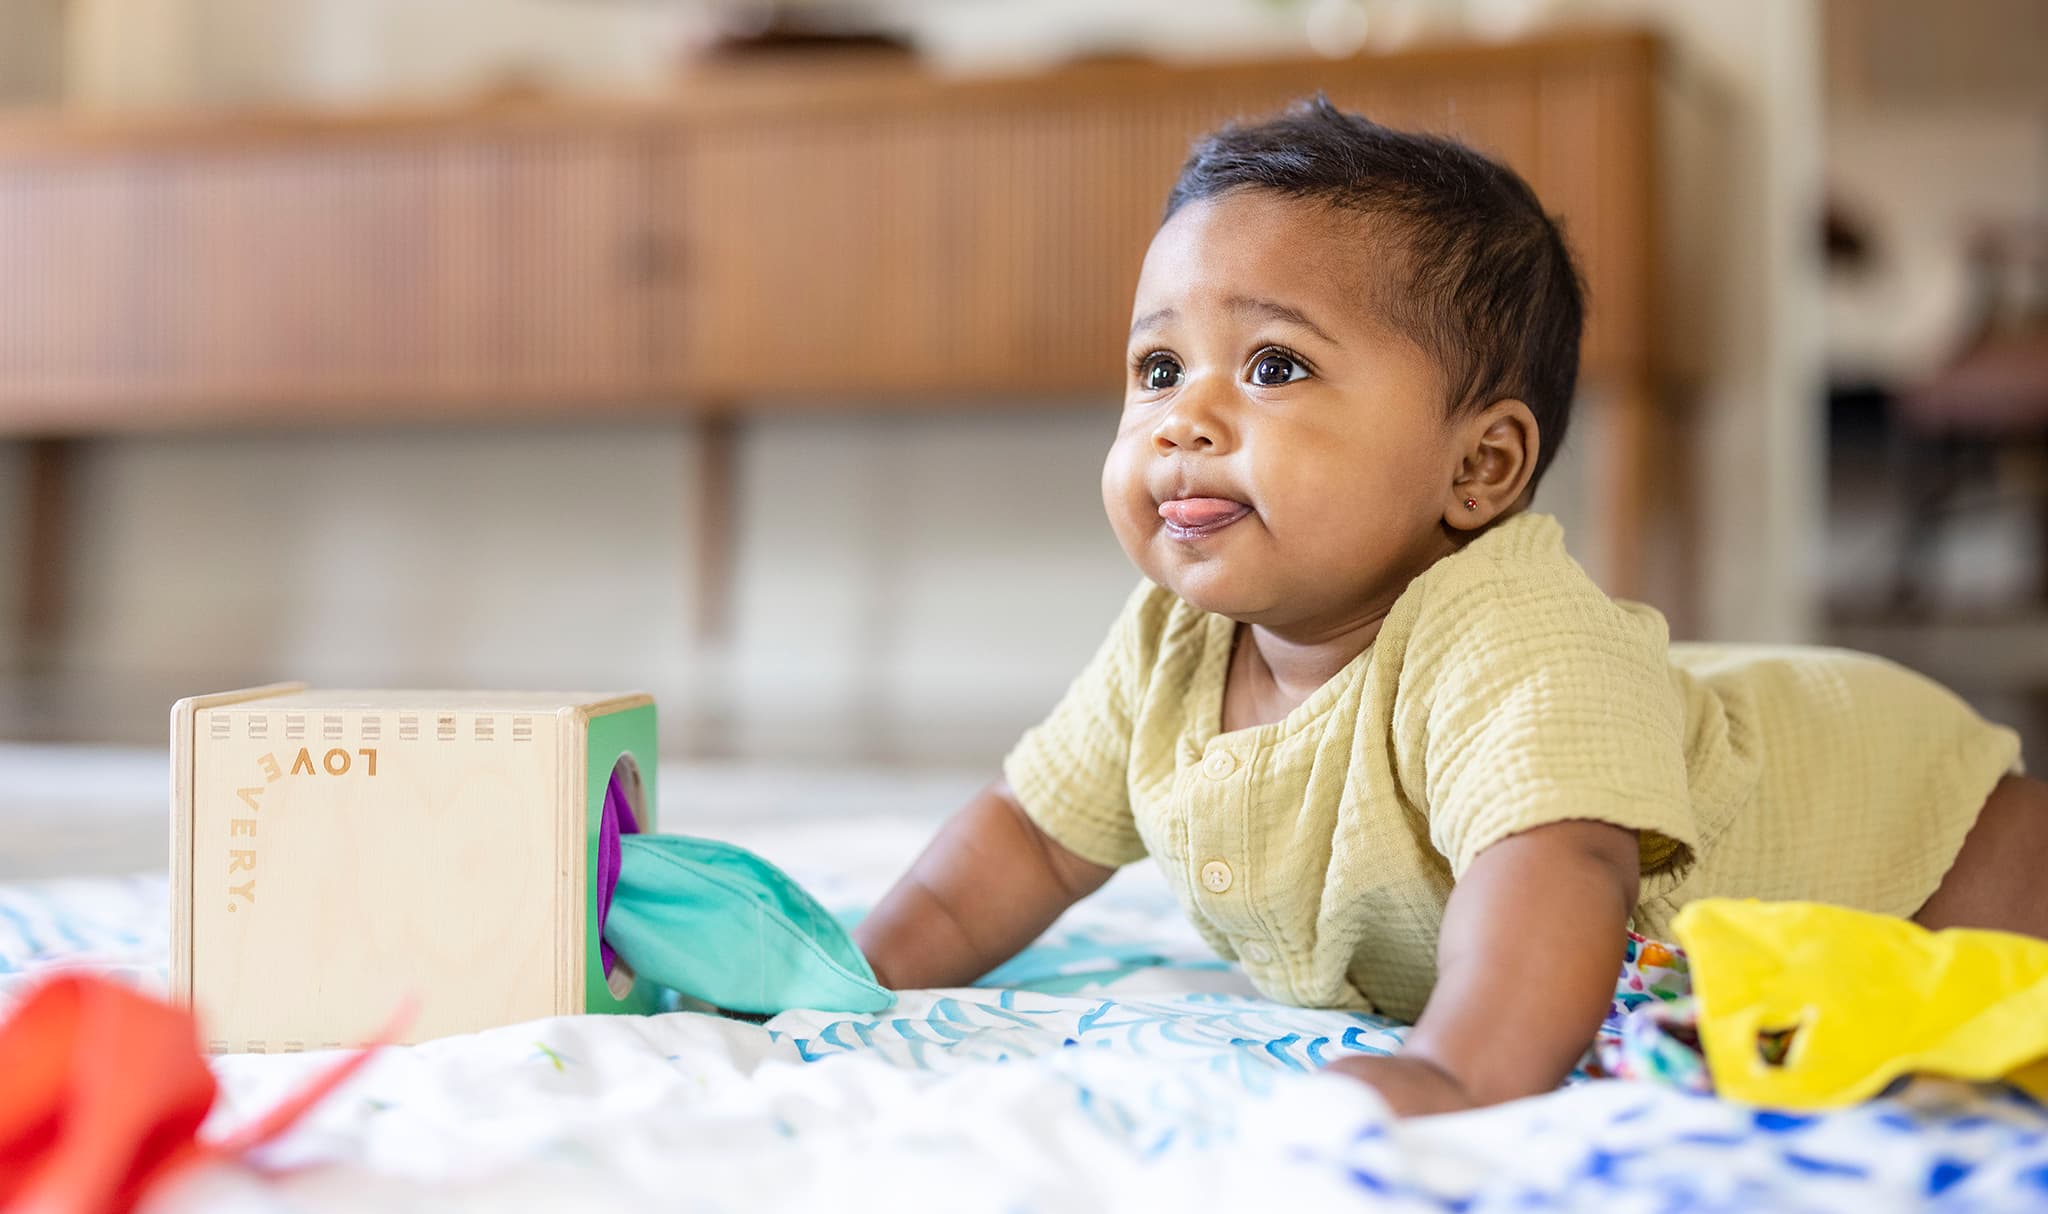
(2000, 878)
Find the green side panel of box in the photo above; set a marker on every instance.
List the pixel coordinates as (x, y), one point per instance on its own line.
(630, 732)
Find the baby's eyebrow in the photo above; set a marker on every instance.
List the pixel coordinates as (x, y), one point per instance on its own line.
(1239, 303)
(1278, 311)
(1152, 319)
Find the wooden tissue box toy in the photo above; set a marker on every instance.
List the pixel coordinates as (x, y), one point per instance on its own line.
(336, 853)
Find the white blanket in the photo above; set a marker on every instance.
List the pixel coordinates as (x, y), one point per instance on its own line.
(1121, 1066)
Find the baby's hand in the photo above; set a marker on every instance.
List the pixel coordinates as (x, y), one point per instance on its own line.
(1410, 1086)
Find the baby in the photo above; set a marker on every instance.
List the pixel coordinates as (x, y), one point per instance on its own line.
(1392, 748)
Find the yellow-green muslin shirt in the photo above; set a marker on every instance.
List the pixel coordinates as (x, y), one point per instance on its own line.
(1504, 691)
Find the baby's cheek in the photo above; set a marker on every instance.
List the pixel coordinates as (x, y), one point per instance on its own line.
(1126, 501)
(1336, 534)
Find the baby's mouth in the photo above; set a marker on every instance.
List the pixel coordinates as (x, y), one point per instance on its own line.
(1194, 517)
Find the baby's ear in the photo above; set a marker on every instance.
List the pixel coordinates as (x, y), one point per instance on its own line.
(1497, 449)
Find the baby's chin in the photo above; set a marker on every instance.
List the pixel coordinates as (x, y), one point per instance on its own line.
(1217, 587)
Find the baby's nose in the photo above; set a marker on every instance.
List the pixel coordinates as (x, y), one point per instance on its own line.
(1195, 440)
(1185, 429)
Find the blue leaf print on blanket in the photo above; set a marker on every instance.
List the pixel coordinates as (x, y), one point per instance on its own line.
(1225, 1033)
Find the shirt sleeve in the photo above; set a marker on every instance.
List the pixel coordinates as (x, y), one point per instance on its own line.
(1071, 772)
(1545, 701)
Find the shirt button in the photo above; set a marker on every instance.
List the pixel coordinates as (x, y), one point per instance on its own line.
(1258, 954)
(1220, 764)
(1215, 876)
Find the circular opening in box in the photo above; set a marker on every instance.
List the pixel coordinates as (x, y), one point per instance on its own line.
(625, 799)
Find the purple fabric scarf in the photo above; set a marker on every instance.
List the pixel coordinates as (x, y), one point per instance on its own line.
(618, 820)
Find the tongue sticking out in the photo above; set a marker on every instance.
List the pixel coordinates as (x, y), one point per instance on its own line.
(1197, 512)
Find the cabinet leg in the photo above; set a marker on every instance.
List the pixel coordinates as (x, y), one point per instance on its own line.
(1624, 490)
(714, 484)
(46, 524)
(717, 518)
(1645, 496)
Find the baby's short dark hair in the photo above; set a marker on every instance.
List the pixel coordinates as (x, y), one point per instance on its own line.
(1485, 284)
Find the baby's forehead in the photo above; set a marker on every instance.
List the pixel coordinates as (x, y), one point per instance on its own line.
(1343, 267)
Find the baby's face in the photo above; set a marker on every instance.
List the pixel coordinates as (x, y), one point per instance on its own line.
(1283, 456)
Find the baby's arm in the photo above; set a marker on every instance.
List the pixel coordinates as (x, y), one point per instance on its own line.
(987, 885)
(1526, 962)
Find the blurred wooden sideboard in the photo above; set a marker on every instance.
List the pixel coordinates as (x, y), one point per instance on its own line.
(794, 235)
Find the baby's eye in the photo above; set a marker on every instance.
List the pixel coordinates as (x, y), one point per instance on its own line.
(1274, 369)
(1159, 372)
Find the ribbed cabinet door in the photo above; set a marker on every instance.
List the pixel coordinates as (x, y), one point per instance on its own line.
(338, 276)
(990, 251)
(79, 313)
(541, 267)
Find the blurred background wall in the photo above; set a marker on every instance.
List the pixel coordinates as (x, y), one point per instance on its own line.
(920, 585)
(1937, 344)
